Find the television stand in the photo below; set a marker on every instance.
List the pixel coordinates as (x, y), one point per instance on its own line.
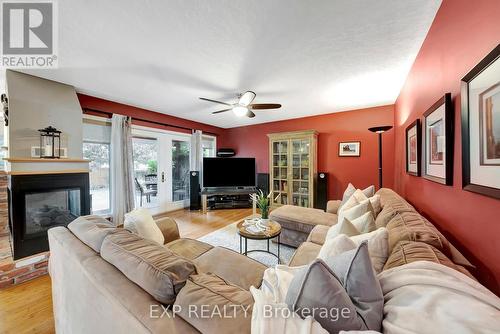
(227, 198)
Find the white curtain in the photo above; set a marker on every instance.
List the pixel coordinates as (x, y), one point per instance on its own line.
(196, 159)
(122, 168)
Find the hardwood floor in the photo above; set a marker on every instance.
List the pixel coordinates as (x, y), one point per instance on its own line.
(27, 308)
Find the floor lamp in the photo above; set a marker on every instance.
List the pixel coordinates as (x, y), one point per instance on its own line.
(380, 130)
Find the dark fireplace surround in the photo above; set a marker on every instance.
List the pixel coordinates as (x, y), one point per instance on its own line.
(38, 202)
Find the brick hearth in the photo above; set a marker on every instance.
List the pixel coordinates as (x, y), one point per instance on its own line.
(15, 272)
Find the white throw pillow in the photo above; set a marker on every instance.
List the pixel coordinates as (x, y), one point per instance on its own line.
(141, 222)
(348, 192)
(365, 223)
(369, 191)
(334, 246)
(377, 207)
(378, 246)
(344, 227)
(359, 195)
(355, 211)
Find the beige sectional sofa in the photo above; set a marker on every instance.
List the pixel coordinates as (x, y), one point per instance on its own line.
(406, 228)
(90, 295)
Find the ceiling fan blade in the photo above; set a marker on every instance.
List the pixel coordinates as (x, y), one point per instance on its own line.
(260, 106)
(219, 111)
(246, 98)
(250, 114)
(215, 101)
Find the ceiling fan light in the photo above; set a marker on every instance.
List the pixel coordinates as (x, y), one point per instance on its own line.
(240, 111)
(246, 98)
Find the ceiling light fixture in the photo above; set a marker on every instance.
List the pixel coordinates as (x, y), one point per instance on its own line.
(240, 110)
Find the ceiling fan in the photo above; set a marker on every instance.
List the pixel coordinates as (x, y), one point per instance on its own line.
(244, 106)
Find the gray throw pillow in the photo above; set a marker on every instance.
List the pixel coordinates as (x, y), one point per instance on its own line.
(316, 291)
(355, 271)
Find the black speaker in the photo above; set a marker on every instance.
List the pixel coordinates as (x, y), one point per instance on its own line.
(321, 191)
(194, 190)
(225, 152)
(263, 182)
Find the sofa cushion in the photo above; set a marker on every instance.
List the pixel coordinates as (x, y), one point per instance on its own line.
(376, 205)
(153, 267)
(342, 227)
(318, 234)
(141, 221)
(91, 230)
(209, 294)
(388, 195)
(356, 211)
(225, 263)
(354, 269)
(390, 209)
(188, 248)
(364, 223)
(334, 246)
(305, 254)
(294, 217)
(410, 251)
(411, 226)
(316, 287)
(377, 246)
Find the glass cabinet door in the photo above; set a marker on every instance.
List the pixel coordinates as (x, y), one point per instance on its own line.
(300, 172)
(280, 171)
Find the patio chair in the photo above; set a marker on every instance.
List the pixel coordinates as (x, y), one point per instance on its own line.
(144, 192)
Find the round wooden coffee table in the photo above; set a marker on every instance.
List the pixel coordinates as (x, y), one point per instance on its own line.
(273, 231)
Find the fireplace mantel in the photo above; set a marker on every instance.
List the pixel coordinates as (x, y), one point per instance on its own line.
(38, 160)
(33, 166)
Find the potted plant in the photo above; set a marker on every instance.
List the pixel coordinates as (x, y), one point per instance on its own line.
(263, 204)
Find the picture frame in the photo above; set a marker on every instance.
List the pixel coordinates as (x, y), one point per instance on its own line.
(350, 149)
(480, 107)
(437, 141)
(413, 148)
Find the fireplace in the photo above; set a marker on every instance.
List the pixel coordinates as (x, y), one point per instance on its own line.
(38, 202)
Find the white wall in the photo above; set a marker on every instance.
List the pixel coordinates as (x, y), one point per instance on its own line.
(36, 103)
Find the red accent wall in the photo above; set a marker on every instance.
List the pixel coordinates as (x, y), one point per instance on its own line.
(462, 33)
(252, 141)
(92, 102)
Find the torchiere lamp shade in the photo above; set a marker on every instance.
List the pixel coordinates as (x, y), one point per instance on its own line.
(380, 129)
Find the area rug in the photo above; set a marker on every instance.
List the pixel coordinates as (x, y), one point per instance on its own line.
(228, 237)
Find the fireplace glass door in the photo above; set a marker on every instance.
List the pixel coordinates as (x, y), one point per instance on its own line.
(49, 209)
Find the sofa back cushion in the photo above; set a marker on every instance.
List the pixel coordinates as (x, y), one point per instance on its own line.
(411, 226)
(91, 230)
(411, 251)
(156, 269)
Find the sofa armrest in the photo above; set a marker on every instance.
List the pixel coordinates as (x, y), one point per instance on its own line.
(333, 206)
(168, 228)
(318, 234)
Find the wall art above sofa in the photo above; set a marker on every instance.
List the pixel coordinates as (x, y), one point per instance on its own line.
(481, 126)
(437, 135)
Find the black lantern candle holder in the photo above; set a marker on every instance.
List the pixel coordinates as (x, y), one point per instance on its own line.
(50, 143)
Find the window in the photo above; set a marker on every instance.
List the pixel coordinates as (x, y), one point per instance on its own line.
(208, 145)
(96, 148)
(98, 153)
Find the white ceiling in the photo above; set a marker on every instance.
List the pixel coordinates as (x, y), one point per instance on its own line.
(313, 57)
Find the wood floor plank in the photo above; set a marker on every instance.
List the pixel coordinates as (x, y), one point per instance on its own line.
(27, 308)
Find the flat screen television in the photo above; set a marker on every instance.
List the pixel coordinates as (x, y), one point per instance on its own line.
(228, 172)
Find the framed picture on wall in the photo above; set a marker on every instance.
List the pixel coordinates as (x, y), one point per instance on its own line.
(350, 149)
(480, 96)
(437, 139)
(413, 148)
